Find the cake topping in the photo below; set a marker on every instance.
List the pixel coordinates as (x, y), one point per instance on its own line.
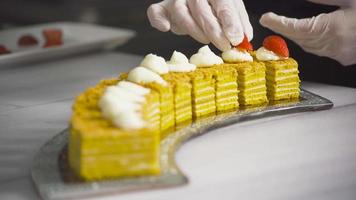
(205, 58)
(245, 45)
(180, 63)
(276, 44)
(53, 37)
(143, 75)
(122, 107)
(126, 94)
(236, 55)
(264, 54)
(155, 63)
(133, 87)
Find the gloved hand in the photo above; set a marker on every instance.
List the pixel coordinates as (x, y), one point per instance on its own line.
(221, 22)
(332, 35)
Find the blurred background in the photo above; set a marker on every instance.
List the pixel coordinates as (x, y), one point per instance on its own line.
(132, 14)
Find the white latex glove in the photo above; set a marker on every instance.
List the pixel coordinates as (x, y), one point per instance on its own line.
(332, 35)
(221, 22)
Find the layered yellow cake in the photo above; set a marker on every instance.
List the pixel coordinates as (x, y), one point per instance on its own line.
(117, 126)
(148, 74)
(282, 79)
(182, 90)
(223, 80)
(251, 77)
(203, 93)
(282, 71)
(226, 91)
(109, 136)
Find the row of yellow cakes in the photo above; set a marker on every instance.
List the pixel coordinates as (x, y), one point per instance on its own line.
(116, 126)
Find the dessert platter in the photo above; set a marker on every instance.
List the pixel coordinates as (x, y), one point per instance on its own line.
(53, 40)
(124, 132)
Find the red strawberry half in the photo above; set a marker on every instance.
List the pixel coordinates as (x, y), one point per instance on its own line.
(27, 40)
(276, 44)
(4, 50)
(53, 37)
(245, 45)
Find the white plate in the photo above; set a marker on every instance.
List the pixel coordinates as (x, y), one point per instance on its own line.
(77, 38)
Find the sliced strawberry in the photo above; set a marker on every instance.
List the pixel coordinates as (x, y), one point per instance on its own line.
(245, 45)
(4, 50)
(53, 37)
(276, 44)
(27, 40)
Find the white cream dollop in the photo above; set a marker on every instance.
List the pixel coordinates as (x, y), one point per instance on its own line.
(205, 58)
(128, 95)
(133, 87)
(264, 54)
(155, 63)
(236, 55)
(122, 105)
(180, 63)
(143, 75)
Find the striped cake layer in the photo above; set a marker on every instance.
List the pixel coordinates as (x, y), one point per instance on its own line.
(289, 95)
(225, 93)
(273, 86)
(251, 83)
(183, 115)
(253, 102)
(226, 89)
(151, 110)
(204, 109)
(283, 79)
(166, 105)
(102, 167)
(226, 85)
(203, 92)
(227, 103)
(254, 96)
(280, 73)
(182, 89)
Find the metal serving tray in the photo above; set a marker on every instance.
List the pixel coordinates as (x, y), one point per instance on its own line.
(54, 180)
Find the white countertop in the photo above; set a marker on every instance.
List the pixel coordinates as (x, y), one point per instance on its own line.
(299, 156)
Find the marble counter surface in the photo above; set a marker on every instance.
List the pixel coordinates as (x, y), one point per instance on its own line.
(298, 156)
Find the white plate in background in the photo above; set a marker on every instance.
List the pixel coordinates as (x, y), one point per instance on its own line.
(77, 38)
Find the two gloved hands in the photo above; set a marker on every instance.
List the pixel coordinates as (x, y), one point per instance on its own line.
(224, 22)
(332, 35)
(221, 22)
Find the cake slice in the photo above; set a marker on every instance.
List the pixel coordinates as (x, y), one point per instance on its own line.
(226, 90)
(166, 106)
(203, 93)
(182, 90)
(282, 79)
(220, 78)
(282, 71)
(252, 83)
(149, 74)
(251, 74)
(113, 132)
